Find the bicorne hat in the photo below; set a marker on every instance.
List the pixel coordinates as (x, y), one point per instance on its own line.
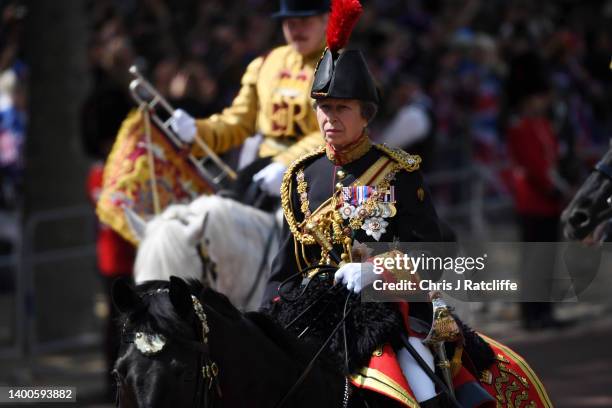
(343, 73)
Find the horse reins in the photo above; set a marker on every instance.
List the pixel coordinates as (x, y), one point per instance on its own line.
(310, 365)
(341, 324)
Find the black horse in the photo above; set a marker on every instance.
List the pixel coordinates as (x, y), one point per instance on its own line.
(188, 346)
(592, 204)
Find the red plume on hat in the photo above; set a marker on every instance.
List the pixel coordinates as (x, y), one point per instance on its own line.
(342, 19)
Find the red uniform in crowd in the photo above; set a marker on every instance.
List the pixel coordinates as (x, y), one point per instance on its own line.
(535, 153)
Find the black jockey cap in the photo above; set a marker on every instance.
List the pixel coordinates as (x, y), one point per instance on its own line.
(301, 8)
(345, 75)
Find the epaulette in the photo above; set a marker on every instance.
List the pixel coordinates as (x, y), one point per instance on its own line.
(407, 161)
(286, 184)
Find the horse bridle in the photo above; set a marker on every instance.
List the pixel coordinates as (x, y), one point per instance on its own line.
(207, 374)
(606, 170)
(317, 270)
(150, 344)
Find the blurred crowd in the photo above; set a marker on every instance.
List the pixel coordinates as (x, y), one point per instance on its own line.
(13, 81)
(474, 62)
(469, 65)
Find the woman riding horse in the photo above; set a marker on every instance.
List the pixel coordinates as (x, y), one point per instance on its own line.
(351, 191)
(188, 346)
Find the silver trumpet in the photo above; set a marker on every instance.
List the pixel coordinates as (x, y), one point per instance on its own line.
(210, 167)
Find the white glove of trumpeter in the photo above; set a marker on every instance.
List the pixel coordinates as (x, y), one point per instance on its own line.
(356, 276)
(183, 124)
(271, 178)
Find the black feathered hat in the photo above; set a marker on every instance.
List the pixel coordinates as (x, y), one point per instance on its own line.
(343, 73)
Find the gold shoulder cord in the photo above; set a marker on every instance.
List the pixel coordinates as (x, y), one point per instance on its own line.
(407, 161)
(286, 194)
(402, 159)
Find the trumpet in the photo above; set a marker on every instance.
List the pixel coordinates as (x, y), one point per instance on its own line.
(210, 166)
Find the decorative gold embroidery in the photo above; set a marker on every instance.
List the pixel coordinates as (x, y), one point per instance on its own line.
(504, 395)
(302, 193)
(533, 380)
(409, 162)
(354, 152)
(521, 397)
(402, 160)
(286, 196)
(509, 391)
(486, 377)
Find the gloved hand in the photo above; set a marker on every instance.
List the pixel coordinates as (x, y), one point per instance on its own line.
(356, 275)
(271, 178)
(183, 124)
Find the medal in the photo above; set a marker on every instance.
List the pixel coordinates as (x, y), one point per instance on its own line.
(375, 227)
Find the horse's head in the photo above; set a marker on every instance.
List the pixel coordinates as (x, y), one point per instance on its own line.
(183, 344)
(165, 358)
(592, 205)
(172, 243)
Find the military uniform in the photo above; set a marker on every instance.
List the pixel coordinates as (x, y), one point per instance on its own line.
(316, 190)
(345, 191)
(313, 190)
(274, 101)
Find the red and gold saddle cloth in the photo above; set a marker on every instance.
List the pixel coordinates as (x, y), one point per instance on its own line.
(508, 383)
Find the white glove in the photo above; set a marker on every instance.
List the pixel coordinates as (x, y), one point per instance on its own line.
(356, 275)
(271, 178)
(183, 124)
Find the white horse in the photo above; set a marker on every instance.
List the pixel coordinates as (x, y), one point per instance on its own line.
(236, 242)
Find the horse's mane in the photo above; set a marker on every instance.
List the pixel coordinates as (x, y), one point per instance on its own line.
(236, 237)
(158, 315)
(165, 250)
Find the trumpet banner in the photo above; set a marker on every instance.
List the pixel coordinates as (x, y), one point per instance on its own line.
(127, 176)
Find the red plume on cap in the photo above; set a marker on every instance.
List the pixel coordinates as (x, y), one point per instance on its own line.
(343, 17)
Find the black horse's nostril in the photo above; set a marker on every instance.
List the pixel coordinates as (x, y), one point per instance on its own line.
(579, 218)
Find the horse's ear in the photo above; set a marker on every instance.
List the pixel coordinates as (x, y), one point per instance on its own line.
(136, 223)
(180, 297)
(124, 296)
(196, 230)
